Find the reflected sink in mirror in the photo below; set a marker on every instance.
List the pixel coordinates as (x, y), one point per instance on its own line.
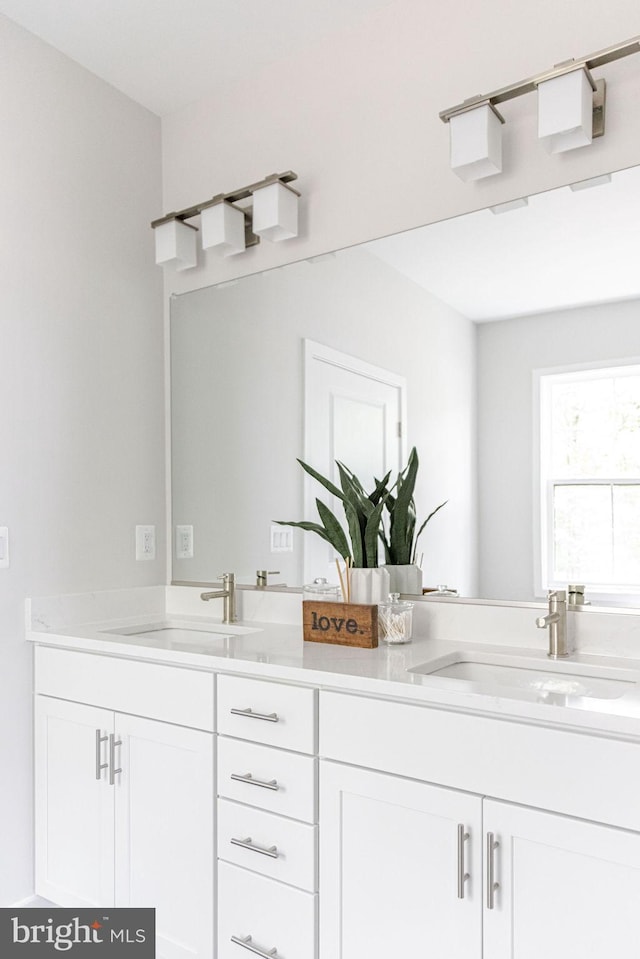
(563, 683)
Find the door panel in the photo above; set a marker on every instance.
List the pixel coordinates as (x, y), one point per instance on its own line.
(164, 831)
(74, 809)
(389, 868)
(567, 888)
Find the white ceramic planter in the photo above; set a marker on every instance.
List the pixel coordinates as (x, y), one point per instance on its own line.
(405, 579)
(370, 585)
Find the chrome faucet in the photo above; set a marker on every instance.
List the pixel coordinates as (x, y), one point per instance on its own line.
(556, 620)
(228, 594)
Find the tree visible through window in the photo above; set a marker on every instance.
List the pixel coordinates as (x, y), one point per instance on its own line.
(590, 460)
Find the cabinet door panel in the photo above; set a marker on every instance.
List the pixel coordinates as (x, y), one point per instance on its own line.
(566, 887)
(164, 831)
(389, 868)
(74, 809)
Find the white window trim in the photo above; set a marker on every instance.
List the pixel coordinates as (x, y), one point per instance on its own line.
(542, 483)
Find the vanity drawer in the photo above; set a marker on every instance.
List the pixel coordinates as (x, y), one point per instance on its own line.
(270, 713)
(174, 695)
(275, 916)
(292, 861)
(271, 779)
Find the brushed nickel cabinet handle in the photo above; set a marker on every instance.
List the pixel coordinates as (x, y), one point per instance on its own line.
(249, 713)
(248, 778)
(462, 875)
(100, 765)
(492, 885)
(247, 943)
(271, 851)
(113, 743)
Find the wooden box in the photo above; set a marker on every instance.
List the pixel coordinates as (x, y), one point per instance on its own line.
(345, 624)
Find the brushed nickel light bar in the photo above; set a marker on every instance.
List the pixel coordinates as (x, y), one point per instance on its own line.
(571, 112)
(229, 228)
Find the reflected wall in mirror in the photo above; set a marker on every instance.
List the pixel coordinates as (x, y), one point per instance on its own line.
(465, 310)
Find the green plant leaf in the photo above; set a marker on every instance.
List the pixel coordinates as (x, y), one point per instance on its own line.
(353, 492)
(356, 533)
(403, 516)
(371, 536)
(415, 546)
(335, 533)
(310, 527)
(328, 485)
(380, 490)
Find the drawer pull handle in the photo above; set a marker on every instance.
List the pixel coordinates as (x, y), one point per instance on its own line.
(248, 778)
(462, 875)
(249, 713)
(492, 885)
(113, 771)
(247, 943)
(272, 851)
(100, 766)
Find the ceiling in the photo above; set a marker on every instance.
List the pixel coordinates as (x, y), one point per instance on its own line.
(167, 53)
(563, 249)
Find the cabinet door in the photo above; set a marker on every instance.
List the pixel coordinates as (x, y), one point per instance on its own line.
(164, 831)
(74, 804)
(566, 887)
(389, 867)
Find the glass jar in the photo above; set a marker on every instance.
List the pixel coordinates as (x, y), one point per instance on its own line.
(395, 620)
(321, 591)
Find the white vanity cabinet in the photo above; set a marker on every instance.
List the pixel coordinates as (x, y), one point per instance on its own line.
(124, 803)
(393, 853)
(267, 819)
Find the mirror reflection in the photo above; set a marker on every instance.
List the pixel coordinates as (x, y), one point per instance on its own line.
(462, 318)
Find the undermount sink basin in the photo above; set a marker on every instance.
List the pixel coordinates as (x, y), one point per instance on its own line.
(559, 682)
(183, 632)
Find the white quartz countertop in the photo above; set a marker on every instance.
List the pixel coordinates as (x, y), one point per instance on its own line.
(278, 652)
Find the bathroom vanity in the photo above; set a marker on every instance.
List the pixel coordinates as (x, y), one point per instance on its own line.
(331, 802)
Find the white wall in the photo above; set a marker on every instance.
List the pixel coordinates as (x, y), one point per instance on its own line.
(81, 383)
(508, 353)
(357, 118)
(237, 381)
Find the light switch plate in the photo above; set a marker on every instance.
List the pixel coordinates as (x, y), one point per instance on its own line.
(145, 542)
(4, 547)
(281, 539)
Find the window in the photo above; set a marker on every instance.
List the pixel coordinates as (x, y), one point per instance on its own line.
(590, 479)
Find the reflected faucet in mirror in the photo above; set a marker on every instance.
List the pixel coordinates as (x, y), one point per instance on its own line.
(228, 594)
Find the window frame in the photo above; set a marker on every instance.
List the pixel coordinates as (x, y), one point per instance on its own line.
(545, 484)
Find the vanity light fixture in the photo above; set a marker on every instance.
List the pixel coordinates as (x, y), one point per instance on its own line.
(269, 209)
(571, 107)
(176, 243)
(476, 142)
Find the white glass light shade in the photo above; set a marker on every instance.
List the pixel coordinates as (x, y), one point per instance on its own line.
(476, 143)
(223, 228)
(176, 243)
(565, 112)
(275, 212)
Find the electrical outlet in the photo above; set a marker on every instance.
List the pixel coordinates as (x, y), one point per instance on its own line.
(184, 542)
(4, 547)
(145, 542)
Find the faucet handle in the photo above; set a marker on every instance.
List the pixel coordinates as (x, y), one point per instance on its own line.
(560, 595)
(262, 576)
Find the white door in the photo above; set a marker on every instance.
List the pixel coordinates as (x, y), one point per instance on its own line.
(74, 804)
(392, 863)
(164, 831)
(566, 888)
(355, 413)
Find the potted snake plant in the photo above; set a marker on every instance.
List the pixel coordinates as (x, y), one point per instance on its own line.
(398, 533)
(358, 543)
